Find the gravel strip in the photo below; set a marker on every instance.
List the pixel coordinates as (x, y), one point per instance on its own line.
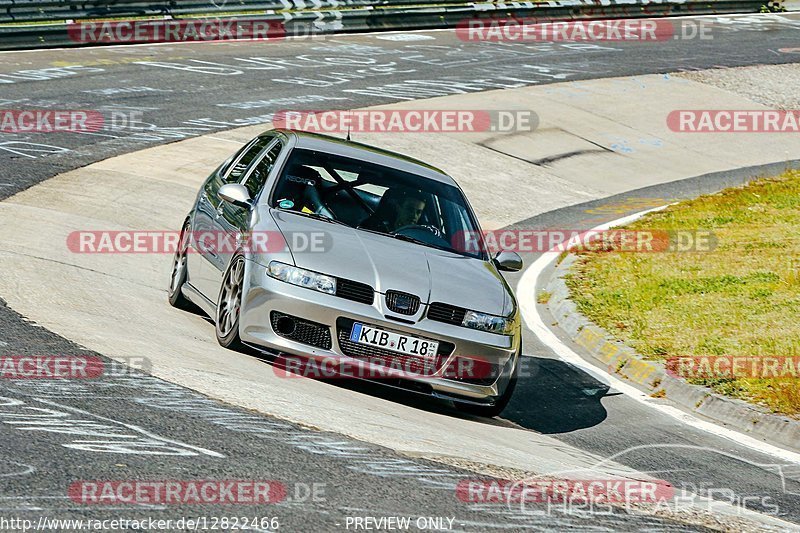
(770, 85)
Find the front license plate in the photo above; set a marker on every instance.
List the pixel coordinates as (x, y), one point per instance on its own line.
(395, 342)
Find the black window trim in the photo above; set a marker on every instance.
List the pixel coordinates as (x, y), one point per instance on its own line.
(243, 152)
(257, 161)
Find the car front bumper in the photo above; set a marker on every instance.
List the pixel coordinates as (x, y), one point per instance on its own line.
(264, 295)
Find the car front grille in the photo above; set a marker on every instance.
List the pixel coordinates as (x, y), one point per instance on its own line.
(305, 331)
(379, 356)
(355, 291)
(446, 313)
(402, 302)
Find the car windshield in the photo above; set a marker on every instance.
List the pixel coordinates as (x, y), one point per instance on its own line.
(379, 199)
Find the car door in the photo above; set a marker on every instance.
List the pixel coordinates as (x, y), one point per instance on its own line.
(208, 238)
(204, 213)
(233, 222)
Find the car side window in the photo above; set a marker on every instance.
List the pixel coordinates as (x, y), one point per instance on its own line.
(238, 169)
(258, 177)
(223, 169)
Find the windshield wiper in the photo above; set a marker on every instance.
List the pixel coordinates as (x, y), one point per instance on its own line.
(406, 238)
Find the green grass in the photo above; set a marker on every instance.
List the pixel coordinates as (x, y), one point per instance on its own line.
(543, 297)
(741, 299)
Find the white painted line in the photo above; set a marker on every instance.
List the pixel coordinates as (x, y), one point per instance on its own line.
(526, 292)
(133, 427)
(27, 469)
(403, 37)
(240, 143)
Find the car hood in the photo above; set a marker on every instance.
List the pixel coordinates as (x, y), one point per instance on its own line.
(385, 263)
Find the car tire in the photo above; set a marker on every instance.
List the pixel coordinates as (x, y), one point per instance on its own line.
(491, 411)
(229, 305)
(180, 273)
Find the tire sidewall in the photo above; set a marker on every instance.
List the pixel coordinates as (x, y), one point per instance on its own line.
(177, 299)
(232, 340)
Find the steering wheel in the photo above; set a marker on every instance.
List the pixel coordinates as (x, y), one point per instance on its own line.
(436, 232)
(429, 234)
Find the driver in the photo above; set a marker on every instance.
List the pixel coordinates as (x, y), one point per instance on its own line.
(398, 208)
(410, 210)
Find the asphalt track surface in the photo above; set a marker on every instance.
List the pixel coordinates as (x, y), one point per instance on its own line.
(187, 90)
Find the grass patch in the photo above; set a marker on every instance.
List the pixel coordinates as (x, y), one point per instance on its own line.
(741, 299)
(543, 297)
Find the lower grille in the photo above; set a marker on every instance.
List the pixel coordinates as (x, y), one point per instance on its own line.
(396, 360)
(305, 331)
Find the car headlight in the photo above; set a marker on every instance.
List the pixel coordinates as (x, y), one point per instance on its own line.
(490, 323)
(301, 277)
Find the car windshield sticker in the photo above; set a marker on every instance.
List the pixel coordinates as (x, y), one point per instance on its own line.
(286, 204)
(305, 181)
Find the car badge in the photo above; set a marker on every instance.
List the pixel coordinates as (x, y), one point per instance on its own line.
(403, 302)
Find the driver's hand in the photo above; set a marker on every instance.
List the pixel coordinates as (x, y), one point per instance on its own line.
(433, 229)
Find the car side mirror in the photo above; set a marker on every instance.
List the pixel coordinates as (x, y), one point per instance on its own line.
(508, 261)
(236, 194)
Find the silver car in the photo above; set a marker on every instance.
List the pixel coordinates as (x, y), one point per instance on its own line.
(318, 249)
